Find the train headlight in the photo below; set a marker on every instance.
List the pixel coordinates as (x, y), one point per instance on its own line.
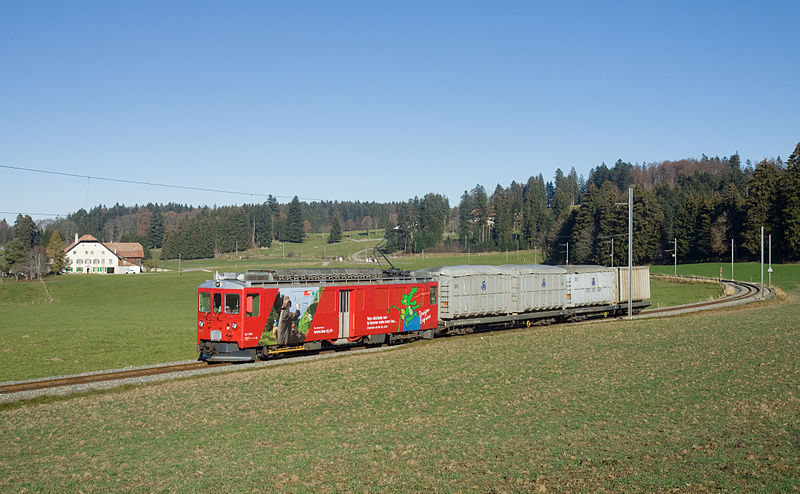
(234, 325)
(201, 324)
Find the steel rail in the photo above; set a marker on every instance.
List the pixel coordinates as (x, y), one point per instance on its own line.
(99, 377)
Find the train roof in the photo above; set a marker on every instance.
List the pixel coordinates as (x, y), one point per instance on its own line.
(478, 269)
(323, 276)
(585, 268)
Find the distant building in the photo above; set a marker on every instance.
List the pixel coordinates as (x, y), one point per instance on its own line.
(87, 255)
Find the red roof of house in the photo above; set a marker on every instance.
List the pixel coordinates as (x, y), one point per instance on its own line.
(85, 238)
(128, 250)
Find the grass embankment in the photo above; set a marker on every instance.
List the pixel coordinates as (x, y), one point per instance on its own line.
(95, 323)
(694, 403)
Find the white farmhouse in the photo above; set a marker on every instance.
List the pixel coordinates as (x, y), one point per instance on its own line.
(88, 255)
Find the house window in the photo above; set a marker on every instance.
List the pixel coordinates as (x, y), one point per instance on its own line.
(78, 261)
(97, 261)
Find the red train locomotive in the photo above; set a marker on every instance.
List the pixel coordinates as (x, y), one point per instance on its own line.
(257, 314)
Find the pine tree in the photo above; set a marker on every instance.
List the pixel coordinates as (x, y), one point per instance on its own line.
(563, 195)
(686, 227)
(26, 231)
(335, 234)
(582, 239)
(762, 204)
(502, 233)
(15, 253)
(465, 220)
(612, 223)
(275, 212)
(155, 232)
(55, 251)
(647, 222)
(294, 222)
(791, 209)
(433, 210)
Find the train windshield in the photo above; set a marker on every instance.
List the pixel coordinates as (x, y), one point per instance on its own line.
(231, 303)
(217, 302)
(205, 302)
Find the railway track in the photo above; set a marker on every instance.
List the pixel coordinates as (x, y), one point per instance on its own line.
(99, 377)
(743, 293)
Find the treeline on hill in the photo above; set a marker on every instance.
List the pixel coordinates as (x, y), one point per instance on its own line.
(198, 232)
(704, 204)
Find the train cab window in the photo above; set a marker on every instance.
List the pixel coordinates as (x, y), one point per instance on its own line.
(433, 295)
(252, 305)
(205, 302)
(231, 303)
(217, 303)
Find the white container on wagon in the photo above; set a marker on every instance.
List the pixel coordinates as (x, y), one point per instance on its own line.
(589, 285)
(641, 283)
(541, 287)
(471, 291)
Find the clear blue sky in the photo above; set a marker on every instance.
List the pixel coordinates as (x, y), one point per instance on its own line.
(378, 100)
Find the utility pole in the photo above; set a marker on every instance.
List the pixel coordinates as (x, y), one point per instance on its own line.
(179, 263)
(762, 261)
(769, 271)
(630, 252)
(675, 254)
(731, 259)
(567, 244)
(630, 249)
(612, 252)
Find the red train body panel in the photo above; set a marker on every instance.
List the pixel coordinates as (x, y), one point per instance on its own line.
(246, 313)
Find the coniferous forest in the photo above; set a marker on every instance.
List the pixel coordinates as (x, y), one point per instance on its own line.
(700, 205)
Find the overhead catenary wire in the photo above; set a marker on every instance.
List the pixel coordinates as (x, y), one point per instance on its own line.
(154, 184)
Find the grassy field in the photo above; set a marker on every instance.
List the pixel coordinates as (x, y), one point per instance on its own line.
(313, 250)
(103, 322)
(96, 322)
(697, 403)
(785, 276)
(666, 293)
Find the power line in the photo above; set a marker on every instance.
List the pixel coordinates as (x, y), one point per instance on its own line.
(152, 184)
(33, 214)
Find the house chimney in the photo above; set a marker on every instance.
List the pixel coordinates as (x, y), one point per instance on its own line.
(76, 238)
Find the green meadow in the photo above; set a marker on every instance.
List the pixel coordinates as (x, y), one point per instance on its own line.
(784, 276)
(699, 403)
